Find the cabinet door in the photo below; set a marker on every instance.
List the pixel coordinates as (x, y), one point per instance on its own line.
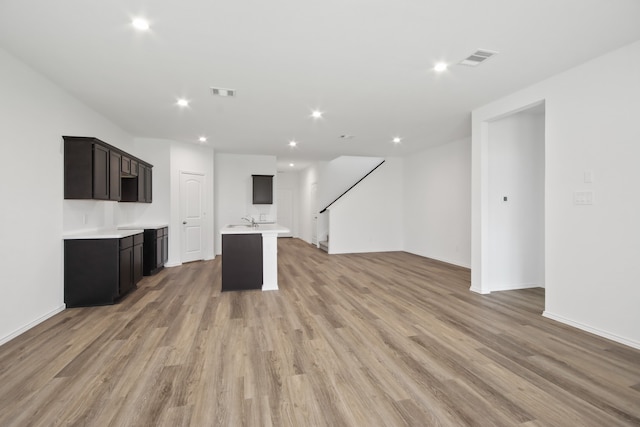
(165, 246)
(241, 262)
(159, 246)
(134, 167)
(115, 164)
(142, 176)
(126, 165)
(262, 189)
(148, 196)
(126, 270)
(137, 263)
(78, 168)
(100, 172)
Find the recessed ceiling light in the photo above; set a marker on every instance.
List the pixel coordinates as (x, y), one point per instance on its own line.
(140, 24)
(291, 165)
(397, 140)
(202, 139)
(316, 114)
(292, 143)
(181, 102)
(440, 67)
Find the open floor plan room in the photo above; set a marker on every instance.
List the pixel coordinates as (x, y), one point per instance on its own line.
(349, 340)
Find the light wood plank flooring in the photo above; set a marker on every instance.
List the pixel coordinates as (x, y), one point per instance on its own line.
(386, 339)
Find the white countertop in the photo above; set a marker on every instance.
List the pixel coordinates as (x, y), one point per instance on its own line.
(102, 234)
(142, 226)
(247, 229)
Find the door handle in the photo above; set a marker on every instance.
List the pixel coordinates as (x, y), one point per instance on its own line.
(184, 222)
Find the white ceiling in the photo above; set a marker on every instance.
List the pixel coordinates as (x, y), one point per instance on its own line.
(367, 64)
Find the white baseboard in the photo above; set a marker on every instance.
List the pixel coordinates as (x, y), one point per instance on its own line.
(515, 287)
(445, 260)
(479, 291)
(30, 325)
(269, 286)
(595, 331)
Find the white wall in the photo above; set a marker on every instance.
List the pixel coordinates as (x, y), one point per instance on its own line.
(234, 190)
(437, 203)
(516, 227)
(35, 114)
(338, 175)
(369, 217)
(290, 181)
(591, 252)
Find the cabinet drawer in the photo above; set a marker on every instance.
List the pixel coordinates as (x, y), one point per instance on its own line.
(138, 239)
(126, 242)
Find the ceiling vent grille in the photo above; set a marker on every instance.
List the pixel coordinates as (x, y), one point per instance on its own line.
(478, 57)
(218, 91)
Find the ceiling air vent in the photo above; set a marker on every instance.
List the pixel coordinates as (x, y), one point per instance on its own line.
(218, 91)
(477, 57)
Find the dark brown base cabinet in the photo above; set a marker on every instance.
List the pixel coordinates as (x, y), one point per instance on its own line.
(241, 262)
(101, 271)
(156, 250)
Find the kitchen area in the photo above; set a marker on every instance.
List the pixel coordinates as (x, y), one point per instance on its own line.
(113, 259)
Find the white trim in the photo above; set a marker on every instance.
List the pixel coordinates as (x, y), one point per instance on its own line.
(446, 261)
(480, 119)
(30, 325)
(595, 331)
(514, 287)
(479, 290)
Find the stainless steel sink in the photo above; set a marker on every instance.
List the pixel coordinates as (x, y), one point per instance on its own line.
(239, 225)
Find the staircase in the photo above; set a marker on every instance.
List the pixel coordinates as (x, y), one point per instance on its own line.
(324, 245)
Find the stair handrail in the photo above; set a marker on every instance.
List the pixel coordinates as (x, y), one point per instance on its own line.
(349, 189)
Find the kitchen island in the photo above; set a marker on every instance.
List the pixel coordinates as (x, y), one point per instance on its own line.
(250, 256)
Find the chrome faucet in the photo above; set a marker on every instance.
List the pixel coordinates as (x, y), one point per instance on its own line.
(251, 220)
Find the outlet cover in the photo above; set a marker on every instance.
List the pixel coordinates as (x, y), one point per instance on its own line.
(583, 198)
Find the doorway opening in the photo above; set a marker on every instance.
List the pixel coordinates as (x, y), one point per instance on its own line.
(515, 245)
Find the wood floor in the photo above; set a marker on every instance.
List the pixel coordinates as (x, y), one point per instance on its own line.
(386, 339)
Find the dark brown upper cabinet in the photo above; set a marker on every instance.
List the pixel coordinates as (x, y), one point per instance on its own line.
(96, 170)
(144, 184)
(100, 175)
(115, 171)
(262, 189)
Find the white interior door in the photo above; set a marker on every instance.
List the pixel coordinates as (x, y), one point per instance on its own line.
(314, 213)
(191, 213)
(285, 211)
